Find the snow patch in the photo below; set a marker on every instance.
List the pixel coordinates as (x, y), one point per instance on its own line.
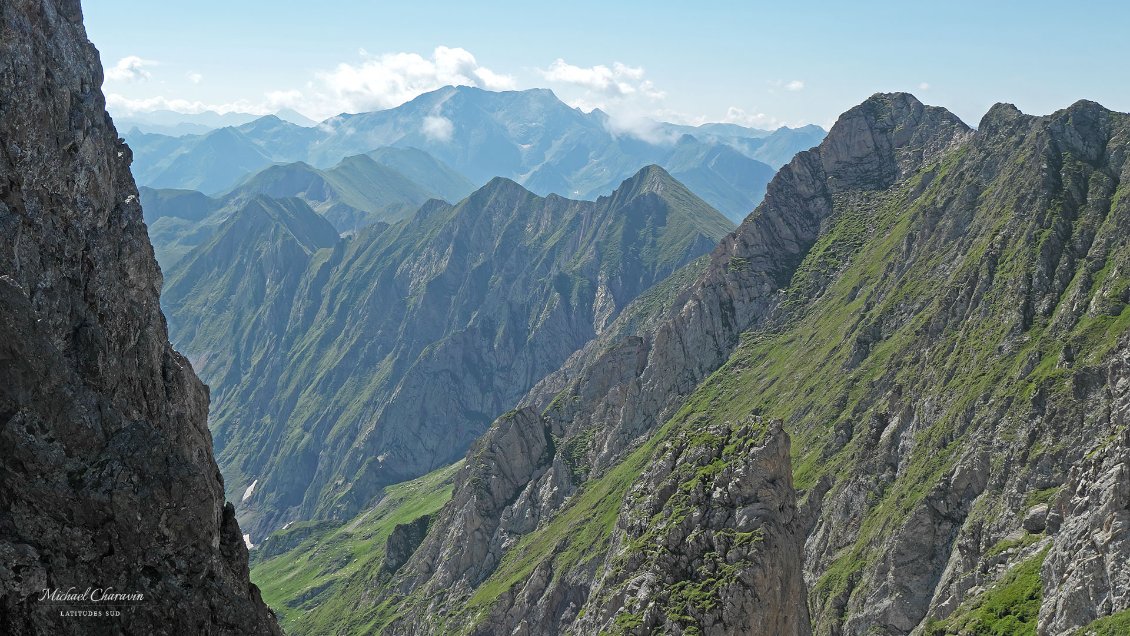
(247, 541)
(250, 490)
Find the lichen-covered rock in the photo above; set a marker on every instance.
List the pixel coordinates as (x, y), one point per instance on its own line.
(106, 472)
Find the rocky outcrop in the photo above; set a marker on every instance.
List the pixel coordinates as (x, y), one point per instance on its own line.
(106, 472)
(1085, 575)
(501, 467)
(975, 402)
(717, 512)
(403, 541)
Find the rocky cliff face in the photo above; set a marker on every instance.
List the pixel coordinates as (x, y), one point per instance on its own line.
(717, 513)
(106, 471)
(1084, 574)
(938, 316)
(959, 413)
(614, 395)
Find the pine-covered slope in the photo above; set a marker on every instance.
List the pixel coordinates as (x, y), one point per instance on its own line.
(107, 479)
(384, 357)
(939, 323)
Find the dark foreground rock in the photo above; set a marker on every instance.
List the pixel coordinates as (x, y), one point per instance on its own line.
(107, 478)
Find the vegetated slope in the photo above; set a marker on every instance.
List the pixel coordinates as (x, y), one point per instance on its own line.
(245, 276)
(948, 351)
(357, 192)
(721, 174)
(395, 349)
(535, 509)
(420, 167)
(107, 478)
(313, 572)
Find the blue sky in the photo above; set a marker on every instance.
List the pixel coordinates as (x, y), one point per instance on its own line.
(757, 63)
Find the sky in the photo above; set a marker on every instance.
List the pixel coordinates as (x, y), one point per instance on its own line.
(753, 63)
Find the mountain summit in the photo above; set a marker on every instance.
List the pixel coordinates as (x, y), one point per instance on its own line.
(382, 357)
(528, 136)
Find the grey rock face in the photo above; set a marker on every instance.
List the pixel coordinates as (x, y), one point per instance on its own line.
(622, 386)
(980, 517)
(1085, 573)
(732, 538)
(403, 541)
(502, 467)
(106, 471)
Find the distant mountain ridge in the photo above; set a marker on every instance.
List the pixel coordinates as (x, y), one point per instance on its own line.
(528, 136)
(357, 192)
(338, 367)
(177, 124)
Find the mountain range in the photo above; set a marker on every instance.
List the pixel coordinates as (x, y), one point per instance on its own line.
(338, 367)
(383, 185)
(177, 124)
(529, 136)
(893, 401)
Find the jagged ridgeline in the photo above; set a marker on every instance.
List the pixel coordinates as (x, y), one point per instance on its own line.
(936, 317)
(107, 479)
(338, 367)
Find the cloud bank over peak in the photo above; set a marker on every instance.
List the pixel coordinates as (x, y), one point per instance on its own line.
(438, 128)
(390, 79)
(620, 90)
(631, 101)
(619, 80)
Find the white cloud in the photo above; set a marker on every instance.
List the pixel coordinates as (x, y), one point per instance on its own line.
(618, 81)
(375, 82)
(437, 128)
(277, 100)
(924, 86)
(388, 80)
(120, 105)
(619, 90)
(129, 69)
(735, 115)
(795, 85)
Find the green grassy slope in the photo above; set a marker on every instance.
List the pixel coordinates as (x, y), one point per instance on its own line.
(955, 329)
(318, 571)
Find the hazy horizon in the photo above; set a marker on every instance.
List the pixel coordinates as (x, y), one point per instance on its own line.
(755, 64)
